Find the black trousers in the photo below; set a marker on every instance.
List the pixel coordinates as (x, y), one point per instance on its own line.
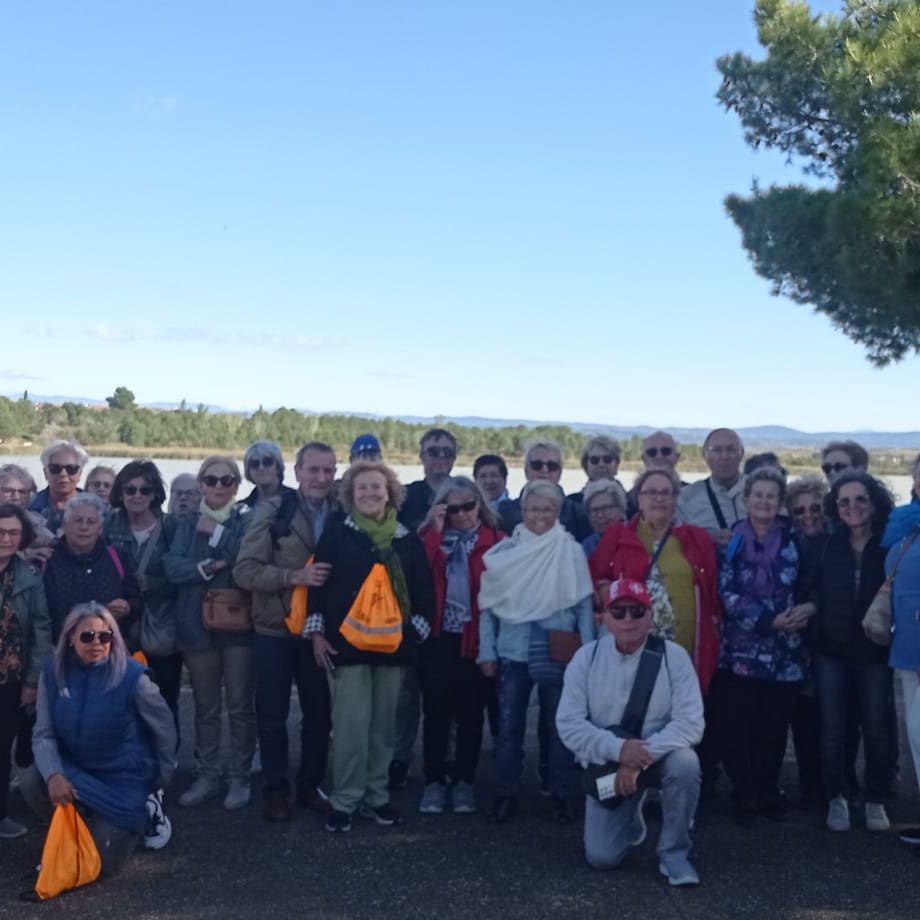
(454, 690)
(11, 717)
(805, 737)
(755, 722)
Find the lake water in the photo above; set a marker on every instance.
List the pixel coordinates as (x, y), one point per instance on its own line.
(572, 479)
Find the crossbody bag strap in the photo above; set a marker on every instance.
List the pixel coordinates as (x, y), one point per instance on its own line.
(657, 553)
(149, 547)
(643, 685)
(908, 543)
(716, 507)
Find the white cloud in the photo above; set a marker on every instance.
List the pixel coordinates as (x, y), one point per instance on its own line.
(18, 375)
(102, 332)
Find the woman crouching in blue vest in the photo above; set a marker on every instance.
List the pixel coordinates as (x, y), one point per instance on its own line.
(104, 737)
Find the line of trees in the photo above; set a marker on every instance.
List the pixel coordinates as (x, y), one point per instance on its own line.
(123, 422)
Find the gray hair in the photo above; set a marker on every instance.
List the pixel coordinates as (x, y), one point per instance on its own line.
(543, 488)
(611, 445)
(85, 500)
(14, 471)
(57, 447)
(259, 449)
(809, 484)
(531, 446)
(766, 474)
(609, 487)
(668, 474)
(465, 484)
(117, 661)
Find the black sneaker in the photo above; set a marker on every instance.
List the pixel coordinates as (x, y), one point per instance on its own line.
(398, 775)
(909, 835)
(384, 815)
(338, 822)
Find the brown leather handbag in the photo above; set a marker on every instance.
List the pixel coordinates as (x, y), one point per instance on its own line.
(563, 644)
(227, 610)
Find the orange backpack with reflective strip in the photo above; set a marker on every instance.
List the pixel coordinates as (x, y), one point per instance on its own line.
(374, 623)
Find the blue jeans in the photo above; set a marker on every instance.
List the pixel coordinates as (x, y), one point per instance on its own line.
(840, 686)
(278, 661)
(514, 687)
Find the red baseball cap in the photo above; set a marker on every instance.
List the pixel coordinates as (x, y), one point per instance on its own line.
(625, 589)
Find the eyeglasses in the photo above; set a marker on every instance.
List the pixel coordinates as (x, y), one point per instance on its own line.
(185, 493)
(57, 468)
(601, 510)
(655, 451)
(600, 458)
(225, 481)
(552, 466)
(858, 501)
(801, 510)
(445, 452)
(265, 462)
(10, 492)
(656, 493)
(88, 635)
(12, 534)
(838, 467)
(463, 506)
(134, 490)
(619, 611)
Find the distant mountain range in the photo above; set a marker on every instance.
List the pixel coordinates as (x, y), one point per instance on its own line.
(765, 437)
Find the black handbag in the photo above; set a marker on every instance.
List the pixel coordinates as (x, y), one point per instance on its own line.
(597, 779)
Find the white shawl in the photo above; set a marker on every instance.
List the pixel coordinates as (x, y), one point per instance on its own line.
(528, 577)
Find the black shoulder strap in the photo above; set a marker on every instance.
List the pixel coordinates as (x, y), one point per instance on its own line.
(281, 526)
(641, 693)
(716, 507)
(657, 553)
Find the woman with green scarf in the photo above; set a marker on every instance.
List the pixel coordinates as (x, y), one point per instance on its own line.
(365, 684)
(199, 560)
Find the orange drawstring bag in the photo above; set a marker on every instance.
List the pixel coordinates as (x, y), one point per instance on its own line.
(374, 623)
(297, 618)
(141, 658)
(69, 858)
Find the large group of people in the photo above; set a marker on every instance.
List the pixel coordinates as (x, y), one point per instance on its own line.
(671, 632)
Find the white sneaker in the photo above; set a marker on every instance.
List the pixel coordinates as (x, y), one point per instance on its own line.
(838, 814)
(201, 790)
(159, 828)
(434, 799)
(876, 818)
(239, 795)
(463, 798)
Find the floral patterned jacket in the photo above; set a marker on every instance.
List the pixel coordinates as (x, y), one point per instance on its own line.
(750, 645)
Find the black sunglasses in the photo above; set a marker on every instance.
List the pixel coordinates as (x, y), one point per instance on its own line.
(88, 635)
(551, 465)
(135, 490)
(255, 462)
(800, 510)
(225, 481)
(605, 458)
(655, 451)
(439, 452)
(57, 468)
(619, 611)
(838, 467)
(463, 506)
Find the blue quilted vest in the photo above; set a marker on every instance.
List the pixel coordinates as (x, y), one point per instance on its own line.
(105, 750)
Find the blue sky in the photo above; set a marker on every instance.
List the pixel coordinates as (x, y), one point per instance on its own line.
(507, 209)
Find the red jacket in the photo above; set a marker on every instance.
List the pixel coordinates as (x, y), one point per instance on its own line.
(437, 559)
(621, 554)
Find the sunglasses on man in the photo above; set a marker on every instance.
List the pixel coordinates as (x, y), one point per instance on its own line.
(57, 468)
(655, 451)
(600, 458)
(551, 466)
(620, 611)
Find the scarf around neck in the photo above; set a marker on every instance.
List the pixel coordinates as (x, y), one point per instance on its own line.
(528, 577)
(382, 534)
(457, 545)
(221, 515)
(761, 555)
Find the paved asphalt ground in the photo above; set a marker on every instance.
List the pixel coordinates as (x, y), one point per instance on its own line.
(236, 865)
